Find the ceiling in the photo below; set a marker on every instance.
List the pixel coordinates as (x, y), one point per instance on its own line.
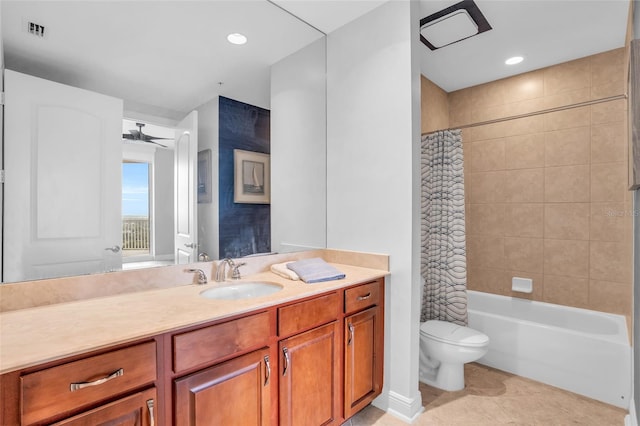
(543, 32)
(173, 55)
(163, 57)
(328, 15)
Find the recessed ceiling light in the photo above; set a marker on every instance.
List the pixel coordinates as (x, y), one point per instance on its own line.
(514, 60)
(237, 38)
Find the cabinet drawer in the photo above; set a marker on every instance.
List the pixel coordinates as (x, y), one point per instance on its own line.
(303, 315)
(361, 297)
(137, 409)
(78, 384)
(209, 344)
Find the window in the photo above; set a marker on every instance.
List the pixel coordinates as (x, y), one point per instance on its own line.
(136, 221)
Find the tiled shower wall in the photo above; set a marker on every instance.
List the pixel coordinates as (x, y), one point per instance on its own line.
(546, 195)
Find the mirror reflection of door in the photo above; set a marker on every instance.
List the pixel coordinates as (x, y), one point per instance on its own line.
(186, 161)
(148, 180)
(69, 221)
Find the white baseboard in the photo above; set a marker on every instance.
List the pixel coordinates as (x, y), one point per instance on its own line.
(631, 419)
(405, 409)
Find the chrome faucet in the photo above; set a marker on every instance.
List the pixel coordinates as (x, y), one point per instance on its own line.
(235, 272)
(221, 271)
(202, 277)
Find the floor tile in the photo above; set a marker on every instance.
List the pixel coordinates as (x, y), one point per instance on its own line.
(492, 397)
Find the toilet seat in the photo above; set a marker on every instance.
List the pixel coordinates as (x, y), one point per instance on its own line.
(454, 334)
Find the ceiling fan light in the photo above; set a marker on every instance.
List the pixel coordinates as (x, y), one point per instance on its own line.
(236, 38)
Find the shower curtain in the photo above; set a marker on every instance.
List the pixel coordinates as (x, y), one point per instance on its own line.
(443, 265)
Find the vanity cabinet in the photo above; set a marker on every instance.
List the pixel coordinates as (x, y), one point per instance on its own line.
(311, 361)
(223, 373)
(89, 386)
(363, 345)
(235, 392)
(309, 388)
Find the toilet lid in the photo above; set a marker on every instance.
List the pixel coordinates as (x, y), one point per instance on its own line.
(448, 332)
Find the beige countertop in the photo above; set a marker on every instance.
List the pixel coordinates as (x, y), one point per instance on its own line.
(36, 335)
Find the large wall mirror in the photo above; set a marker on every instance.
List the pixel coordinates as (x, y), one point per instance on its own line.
(112, 125)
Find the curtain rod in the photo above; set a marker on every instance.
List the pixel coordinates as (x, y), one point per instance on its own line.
(531, 114)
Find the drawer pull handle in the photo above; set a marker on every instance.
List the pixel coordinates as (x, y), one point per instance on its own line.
(285, 352)
(365, 297)
(152, 421)
(77, 386)
(350, 334)
(268, 368)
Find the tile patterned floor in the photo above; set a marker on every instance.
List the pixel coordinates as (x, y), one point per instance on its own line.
(492, 397)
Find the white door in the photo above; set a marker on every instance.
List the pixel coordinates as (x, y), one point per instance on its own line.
(1, 156)
(63, 152)
(186, 161)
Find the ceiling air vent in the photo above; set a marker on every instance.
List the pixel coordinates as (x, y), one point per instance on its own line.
(35, 29)
(453, 24)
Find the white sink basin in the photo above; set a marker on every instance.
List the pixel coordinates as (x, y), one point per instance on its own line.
(241, 290)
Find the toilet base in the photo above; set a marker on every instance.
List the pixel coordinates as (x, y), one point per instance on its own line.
(449, 377)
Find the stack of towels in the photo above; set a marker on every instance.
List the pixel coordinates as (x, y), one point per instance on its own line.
(313, 270)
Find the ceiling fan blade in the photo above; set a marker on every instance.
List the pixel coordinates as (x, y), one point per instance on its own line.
(149, 138)
(150, 141)
(140, 136)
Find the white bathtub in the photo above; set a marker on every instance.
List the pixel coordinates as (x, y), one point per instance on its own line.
(579, 350)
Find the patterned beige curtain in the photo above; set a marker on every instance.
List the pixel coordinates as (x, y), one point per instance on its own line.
(443, 256)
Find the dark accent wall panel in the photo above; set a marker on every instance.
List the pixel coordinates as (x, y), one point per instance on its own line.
(244, 228)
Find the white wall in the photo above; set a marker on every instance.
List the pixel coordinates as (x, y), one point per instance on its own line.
(164, 221)
(208, 212)
(373, 136)
(298, 150)
(1, 145)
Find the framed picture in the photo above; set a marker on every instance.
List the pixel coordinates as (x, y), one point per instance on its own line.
(204, 176)
(251, 182)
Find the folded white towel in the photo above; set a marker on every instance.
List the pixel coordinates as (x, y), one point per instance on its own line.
(282, 270)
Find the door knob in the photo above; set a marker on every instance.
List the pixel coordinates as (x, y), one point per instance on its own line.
(114, 249)
(191, 245)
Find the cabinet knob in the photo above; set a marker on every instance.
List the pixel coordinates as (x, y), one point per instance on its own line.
(350, 334)
(285, 352)
(152, 421)
(365, 297)
(77, 386)
(268, 370)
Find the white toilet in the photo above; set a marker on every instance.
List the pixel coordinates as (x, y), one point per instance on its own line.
(444, 349)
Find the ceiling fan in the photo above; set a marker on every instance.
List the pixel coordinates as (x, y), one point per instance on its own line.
(139, 136)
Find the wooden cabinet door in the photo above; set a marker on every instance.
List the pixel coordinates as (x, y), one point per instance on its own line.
(135, 410)
(362, 369)
(235, 392)
(309, 377)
